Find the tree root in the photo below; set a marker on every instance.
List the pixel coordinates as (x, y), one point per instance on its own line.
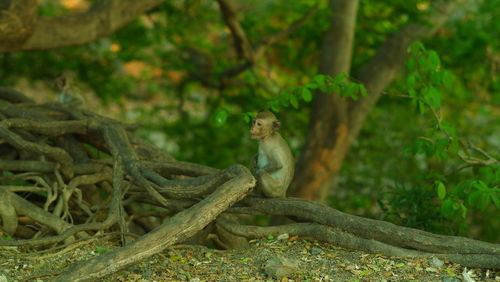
(78, 175)
(350, 241)
(183, 225)
(372, 229)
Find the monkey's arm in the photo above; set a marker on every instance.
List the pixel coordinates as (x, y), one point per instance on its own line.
(269, 186)
(271, 169)
(270, 166)
(275, 163)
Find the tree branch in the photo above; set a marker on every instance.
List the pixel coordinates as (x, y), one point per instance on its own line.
(179, 227)
(284, 33)
(40, 33)
(383, 68)
(241, 42)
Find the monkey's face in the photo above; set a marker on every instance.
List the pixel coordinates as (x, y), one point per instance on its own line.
(259, 129)
(263, 127)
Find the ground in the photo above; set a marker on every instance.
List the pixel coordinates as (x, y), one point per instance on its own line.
(316, 262)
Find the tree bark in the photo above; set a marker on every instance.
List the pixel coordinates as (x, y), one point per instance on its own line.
(22, 29)
(336, 122)
(327, 140)
(176, 229)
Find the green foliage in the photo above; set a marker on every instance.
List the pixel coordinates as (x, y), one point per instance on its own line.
(220, 116)
(463, 110)
(9, 179)
(457, 193)
(440, 189)
(339, 85)
(101, 250)
(426, 78)
(409, 205)
(167, 66)
(445, 144)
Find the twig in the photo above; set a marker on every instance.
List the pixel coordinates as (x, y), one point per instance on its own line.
(285, 32)
(241, 42)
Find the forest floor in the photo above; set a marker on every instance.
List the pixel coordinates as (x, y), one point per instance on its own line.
(295, 259)
(302, 259)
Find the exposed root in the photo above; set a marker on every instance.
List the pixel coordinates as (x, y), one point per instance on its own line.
(71, 175)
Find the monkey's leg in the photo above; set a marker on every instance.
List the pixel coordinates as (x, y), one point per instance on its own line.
(269, 186)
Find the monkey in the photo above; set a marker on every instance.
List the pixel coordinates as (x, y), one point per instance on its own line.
(273, 167)
(63, 83)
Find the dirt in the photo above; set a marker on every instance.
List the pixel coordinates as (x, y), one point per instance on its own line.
(307, 261)
(310, 261)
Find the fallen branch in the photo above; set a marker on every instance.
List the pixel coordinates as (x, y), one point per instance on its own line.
(176, 229)
(382, 231)
(349, 241)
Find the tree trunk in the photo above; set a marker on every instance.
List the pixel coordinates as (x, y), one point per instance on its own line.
(327, 140)
(336, 122)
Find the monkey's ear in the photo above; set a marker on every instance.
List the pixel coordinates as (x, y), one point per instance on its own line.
(276, 124)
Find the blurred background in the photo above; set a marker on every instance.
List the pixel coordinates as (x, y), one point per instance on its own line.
(167, 70)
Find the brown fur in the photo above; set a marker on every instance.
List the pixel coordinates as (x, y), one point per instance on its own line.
(273, 166)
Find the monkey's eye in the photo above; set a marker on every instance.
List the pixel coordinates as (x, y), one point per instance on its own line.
(259, 123)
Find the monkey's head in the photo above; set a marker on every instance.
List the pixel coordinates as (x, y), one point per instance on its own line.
(264, 124)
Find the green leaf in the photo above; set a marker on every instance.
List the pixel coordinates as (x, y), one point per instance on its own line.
(101, 250)
(312, 85)
(481, 186)
(335, 88)
(423, 63)
(340, 78)
(350, 91)
(362, 90)
(464, 210)
(274, 107)
(247, 118)
(421, 107)
(424, 146)
(434, 61)
(496, 172)
(473, 198)
(283, 100)
(220, 117)
(441, 145)
(320, 80)
(410, 64)
(306, 94)
(440, 189)
(450, 129)
(437, 77)
(460, 188)
(416, 47)
(485, 174)
(495, 200)
(484, 201)
(447, 79)
(433, 97)
(411, 80)
(447, 208)
(294, 101)
(453, 146)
